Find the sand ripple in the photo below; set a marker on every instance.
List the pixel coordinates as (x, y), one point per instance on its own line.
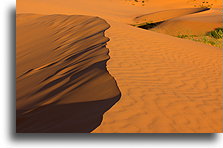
(62, 81)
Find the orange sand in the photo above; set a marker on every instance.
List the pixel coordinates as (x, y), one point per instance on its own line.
(62, 81)
(194, 24)
(168, 85)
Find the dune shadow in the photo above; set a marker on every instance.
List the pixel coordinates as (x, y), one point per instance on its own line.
(81, 117)
(80, 75)
(150, 25)
(33, 137)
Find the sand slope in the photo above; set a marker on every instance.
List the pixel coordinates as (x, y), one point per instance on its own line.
(195, 24)
(62, 81)
(167, 84)
(161, 16)
(160, 4)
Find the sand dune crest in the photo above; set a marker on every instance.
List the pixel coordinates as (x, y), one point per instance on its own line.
(56, 65)
(161, 16)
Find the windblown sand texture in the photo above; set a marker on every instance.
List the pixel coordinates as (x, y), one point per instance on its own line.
(168, 85)
(62, 81)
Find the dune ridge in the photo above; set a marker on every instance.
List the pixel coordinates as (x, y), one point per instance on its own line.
(161, 16)
(168, 84)
(194, 24)
(56, 65)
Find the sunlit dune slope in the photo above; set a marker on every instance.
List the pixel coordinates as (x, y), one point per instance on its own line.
(161, 16)
(168, 84)
(173, 4)
(195, 24)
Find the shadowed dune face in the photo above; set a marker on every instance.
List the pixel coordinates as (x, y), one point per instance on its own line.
(168, 84)
(62, 81)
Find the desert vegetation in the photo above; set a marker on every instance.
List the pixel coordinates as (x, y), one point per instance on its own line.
(213, 38)
(217, 33)
(202, 3)
(138, 2)
(71, 69)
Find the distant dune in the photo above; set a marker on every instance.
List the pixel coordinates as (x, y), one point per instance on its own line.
(168, 84)
(164, 4)
(62, 82)
(195, 24)
(161, 16)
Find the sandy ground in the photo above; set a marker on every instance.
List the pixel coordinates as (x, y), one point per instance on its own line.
(167, 84)
(161, 4)
(62, 83)
(194, 24)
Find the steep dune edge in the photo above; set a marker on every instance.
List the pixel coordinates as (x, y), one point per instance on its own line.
(62, 81)
(168, 84)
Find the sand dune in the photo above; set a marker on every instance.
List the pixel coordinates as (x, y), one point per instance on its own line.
(167, 84)
(161, 16)
(195, 24)
(62, 81)
(163, 4)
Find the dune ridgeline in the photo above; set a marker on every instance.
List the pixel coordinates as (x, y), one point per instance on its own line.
(62, 81)
(90, 66)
